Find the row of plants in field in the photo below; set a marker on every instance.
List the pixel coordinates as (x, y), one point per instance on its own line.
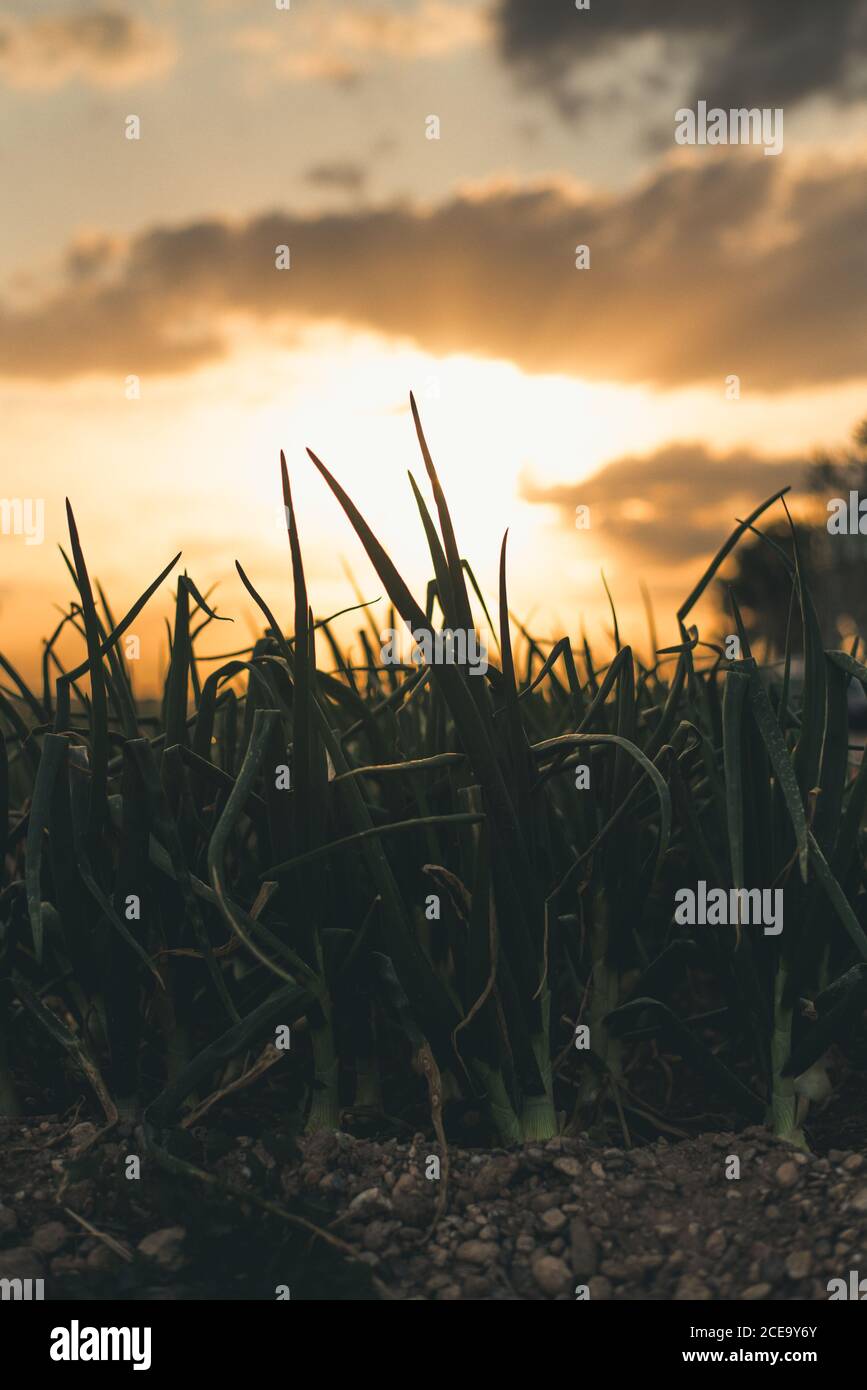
(447, 885)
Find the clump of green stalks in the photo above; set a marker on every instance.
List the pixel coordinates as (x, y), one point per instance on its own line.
(400, 865)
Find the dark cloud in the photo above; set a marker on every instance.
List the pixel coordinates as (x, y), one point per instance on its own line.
(736, 265)
(90, 256)
(100, 45)
(674, 505)
(746, 52)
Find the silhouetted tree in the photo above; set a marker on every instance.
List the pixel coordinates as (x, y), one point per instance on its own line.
(835, 565)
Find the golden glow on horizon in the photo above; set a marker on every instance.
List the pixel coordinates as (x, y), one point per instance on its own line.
(193, 466)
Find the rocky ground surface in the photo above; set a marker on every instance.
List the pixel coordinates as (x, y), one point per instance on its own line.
(662, 1222)
(659, 1222)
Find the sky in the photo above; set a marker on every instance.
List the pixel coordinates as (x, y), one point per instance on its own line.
(432, 167)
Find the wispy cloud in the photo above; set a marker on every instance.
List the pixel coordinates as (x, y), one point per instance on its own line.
(672, 505)
(322, 43)
(100, 46)
(342, 174)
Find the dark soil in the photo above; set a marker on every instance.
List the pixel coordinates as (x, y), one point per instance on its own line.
(661, 1221)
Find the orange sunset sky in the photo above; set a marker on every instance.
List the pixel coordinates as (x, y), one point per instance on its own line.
(446, 266)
